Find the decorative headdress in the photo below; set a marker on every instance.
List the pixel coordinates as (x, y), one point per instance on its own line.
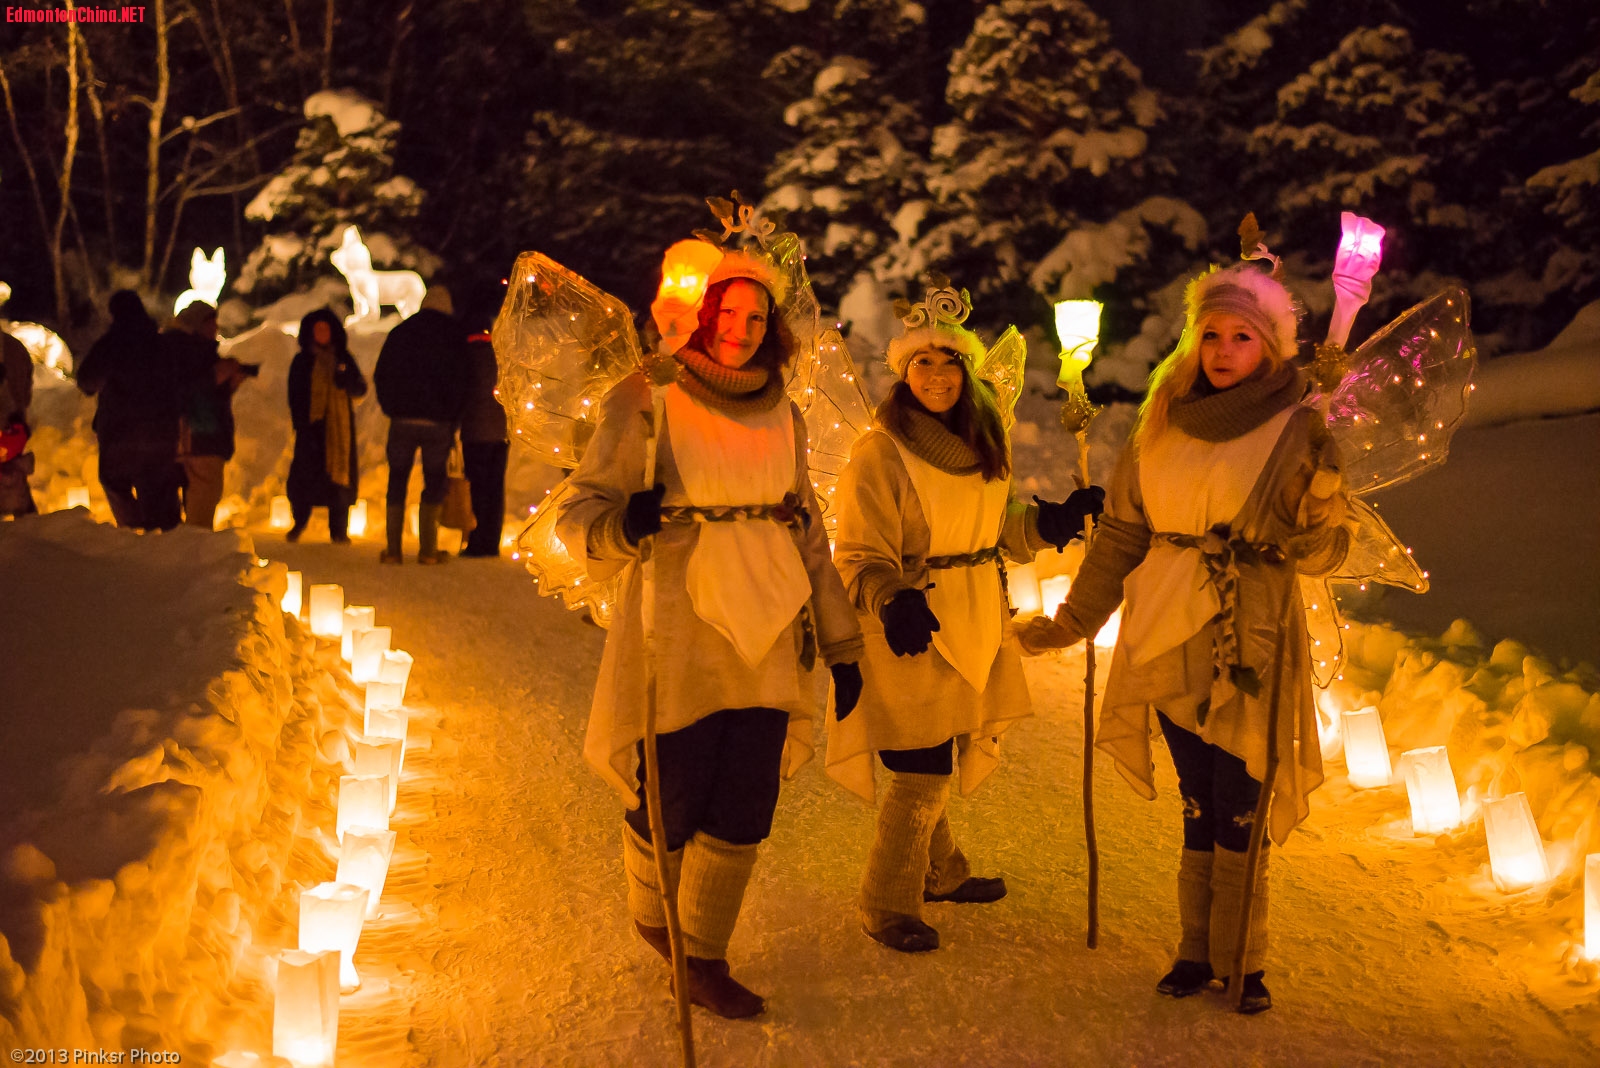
(1254, 295)
(936, 320)
(757, 263)
(692, 266)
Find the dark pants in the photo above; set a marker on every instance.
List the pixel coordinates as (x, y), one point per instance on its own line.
(142, 481)
(719, 775)
(406, 436)
(1219, 796)
(485, 463)
(934, 760)
(338, 516)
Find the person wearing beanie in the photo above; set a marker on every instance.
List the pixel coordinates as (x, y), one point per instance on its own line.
(421, 378)
(140, 393)
(324, 382)
(206, 429)
(1228, 478)
(927, 521)
(744, 598)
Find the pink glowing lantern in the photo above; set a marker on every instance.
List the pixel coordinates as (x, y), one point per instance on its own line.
(305, 1013)
(1516, 853)
(1591, 906)
(364, 858)
(1431, 788)
(396, 669)
(355, 617)
(367, 646)
(331, 915)
(363, 802)
(1357, 260)
(327, 611)
(293, 594)
(381, 756)
(1366, 750)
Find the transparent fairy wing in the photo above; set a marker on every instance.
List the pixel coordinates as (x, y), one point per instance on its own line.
(1393, 413)
(561, 343)
(829, 393)
(1324, 627)
(557, 571)
(1002, 367)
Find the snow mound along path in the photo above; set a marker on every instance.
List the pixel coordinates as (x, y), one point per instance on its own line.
(162, 745)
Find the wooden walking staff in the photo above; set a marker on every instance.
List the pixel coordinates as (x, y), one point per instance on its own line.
(1078, 327)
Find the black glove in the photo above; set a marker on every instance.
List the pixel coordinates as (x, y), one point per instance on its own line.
(643, 516)
(846, 688)
(908, 622)
(1060, 523)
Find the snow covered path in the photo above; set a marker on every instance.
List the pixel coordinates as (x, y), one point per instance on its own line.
(508, 943)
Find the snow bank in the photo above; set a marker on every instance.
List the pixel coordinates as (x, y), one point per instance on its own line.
(162, 746)
(1561, 379)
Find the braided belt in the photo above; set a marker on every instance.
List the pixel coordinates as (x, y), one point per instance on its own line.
(790, 512)
(1222, 554)
(976, 559)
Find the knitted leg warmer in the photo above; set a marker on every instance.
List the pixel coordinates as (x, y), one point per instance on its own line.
(644, 890)
(710, 892)
(1194, 905)
(898, 866)
(1227, 894)
(947, 865)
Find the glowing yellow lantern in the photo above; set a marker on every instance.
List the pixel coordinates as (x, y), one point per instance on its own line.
(327, 610)
(1106, 637)
(305, 1013)
(355, 617)
(381, 756)
(1078, 328)
(367, 646)
(281, 516)
(1516, 854)
(396, 668)
(363, 802)
(356, 524)
(1431, 787)
(292, 594)
(78, 497)
(1591, 906)
(1053, 593)
(364, 857)
(1366, 750)
(331, 915)
(1022, 581)
(686, 269)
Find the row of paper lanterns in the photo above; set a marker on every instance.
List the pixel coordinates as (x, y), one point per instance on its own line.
(311, 977)
(1516, 851)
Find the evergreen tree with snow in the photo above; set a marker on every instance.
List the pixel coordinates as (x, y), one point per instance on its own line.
(342, 173)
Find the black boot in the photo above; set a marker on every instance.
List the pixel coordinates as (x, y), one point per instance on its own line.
(906, 934)
(1256, 997)
(1186, 977)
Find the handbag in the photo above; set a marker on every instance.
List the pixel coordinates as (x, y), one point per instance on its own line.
(457, 512)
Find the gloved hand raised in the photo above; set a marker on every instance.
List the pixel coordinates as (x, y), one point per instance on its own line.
(643, 515)
(846, 688)
(908, 622)
(1060, 522)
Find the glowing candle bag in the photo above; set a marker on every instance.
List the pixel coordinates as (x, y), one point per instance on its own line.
(396, 670)
(1431, 787)
(292, 594)
(363, 802)
(364, 858)
(356, 616)
(367, 646)
(383, 696)
(1366, 750)
(1516, 853)
(327, 610)
(305, 1012)
(281, 516)
(331, 915)
(1053, 593)
(1023, 583)
(356, 524)
(78, 497)
(381, 756)
(1591, 906)
(387, 723)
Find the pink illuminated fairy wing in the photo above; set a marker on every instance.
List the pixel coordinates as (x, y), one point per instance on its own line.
(561, 343)
(1406, 391)
(1002, 367)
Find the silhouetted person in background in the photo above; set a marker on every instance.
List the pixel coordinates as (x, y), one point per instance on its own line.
(205, 433)
(323, 384)
(484, 446)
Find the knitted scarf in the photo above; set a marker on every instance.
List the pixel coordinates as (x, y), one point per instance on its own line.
(328, 406)
(1222, 415)
(929, 440)
(729, 390)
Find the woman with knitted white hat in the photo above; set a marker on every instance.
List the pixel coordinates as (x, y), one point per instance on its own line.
(1230, 486)
(742, 599)
(926, 519)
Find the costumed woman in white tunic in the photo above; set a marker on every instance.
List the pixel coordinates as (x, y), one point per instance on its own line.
(1231, 485)
(745, 597)
(926, 520)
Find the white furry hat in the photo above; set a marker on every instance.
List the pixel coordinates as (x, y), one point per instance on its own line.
(936, 321)
(1250, 293)
(758, 267)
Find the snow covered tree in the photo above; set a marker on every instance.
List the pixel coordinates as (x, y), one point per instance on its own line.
(1570, 192)
(342, 173)
(1039, 186)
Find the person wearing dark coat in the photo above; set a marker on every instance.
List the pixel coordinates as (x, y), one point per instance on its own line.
(137, 382)
(421, 378)
(16, 393)
(485, 448)
(205, 432)
(323, 384)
